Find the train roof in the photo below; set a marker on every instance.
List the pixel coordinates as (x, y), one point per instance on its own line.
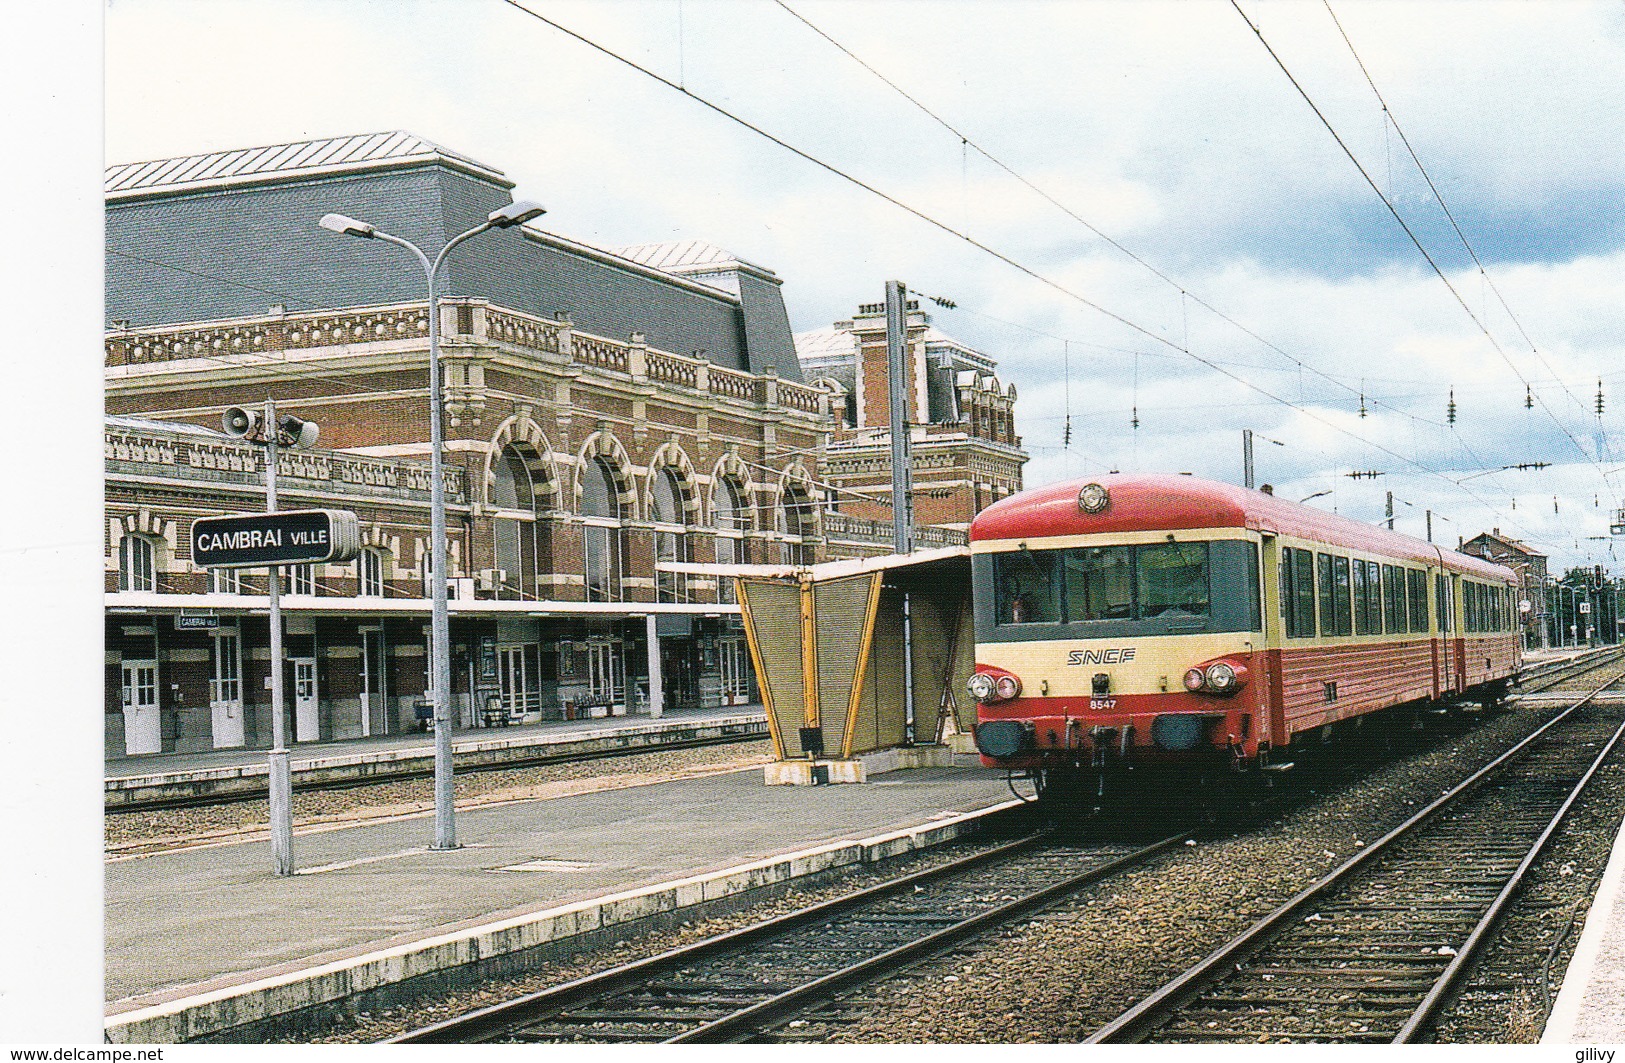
(1154, 503)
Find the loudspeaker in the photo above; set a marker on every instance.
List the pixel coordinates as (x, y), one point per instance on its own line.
(300, 433)
(240, 423)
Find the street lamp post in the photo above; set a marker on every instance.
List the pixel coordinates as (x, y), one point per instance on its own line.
(516, 213)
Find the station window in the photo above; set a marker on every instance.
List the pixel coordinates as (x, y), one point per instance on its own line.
(137, 566)
(300, 579)
(370, 574)
(731, 522)
(226, 581)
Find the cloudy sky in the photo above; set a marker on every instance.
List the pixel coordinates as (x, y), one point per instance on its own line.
(1261, 282)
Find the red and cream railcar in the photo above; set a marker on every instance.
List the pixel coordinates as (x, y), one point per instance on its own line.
(1146, 619)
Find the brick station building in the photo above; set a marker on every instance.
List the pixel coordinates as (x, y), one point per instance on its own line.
(608, 422)
(964, 450)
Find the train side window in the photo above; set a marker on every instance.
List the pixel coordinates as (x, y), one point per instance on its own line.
(1345, 602)
(1327, 585)
(1025, 586)
(1303, 593)
(1362, 599)
(1393, 601)
(1441, 602)
(1418, 587)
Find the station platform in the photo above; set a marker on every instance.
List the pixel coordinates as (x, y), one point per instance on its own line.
(205, 939)
(1590, 1008)
(223, 772)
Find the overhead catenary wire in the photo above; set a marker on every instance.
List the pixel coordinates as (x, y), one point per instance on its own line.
(1445, 207)
(1409, 233)
(950, 230)
(1184, 293)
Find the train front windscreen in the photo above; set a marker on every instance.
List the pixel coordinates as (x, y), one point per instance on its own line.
(1114, 591)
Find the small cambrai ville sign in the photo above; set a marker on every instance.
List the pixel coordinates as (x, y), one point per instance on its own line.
(290, 537)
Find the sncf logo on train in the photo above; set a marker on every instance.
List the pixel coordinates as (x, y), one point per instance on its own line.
(289, 537)
(1114, 655)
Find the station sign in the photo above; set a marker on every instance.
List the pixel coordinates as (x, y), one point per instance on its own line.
(288, 537)
(197, 622)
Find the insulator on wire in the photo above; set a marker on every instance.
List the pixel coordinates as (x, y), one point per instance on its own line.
(1599, 397)
(1066, 432)
(1528, 398)
(1362, 404)
(1135, 423)
(1450, 410)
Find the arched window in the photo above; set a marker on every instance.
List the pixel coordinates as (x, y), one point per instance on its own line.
(795, 522)
(369, 567)
(731, 523)
(137, 564)
(671, 544)
(601, 513)
(520, 536)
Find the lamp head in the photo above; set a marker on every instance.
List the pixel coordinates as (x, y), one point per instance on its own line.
(348, 226)
(516, 213)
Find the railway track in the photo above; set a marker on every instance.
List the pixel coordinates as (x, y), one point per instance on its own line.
(1373, 951)
(742, 985)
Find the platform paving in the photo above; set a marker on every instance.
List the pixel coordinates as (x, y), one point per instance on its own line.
(1590, 1008)
(308, 754)
(182, 923)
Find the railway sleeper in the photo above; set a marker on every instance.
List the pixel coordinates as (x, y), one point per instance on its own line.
(1286, 1036)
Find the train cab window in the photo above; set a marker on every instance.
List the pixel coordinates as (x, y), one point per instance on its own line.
(1416, 583)
(1027, 583)
(1099, 583)
(1173, 580)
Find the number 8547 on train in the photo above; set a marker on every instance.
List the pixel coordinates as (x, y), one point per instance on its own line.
(1143, 621)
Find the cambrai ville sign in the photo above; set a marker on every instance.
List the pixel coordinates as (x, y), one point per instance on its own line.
(291, 537)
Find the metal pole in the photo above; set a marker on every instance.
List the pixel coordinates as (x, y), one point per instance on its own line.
(1430, 525)
(908, 673)
(445, 825)
(1390, 511)
(281, 779)
(902, 473)
(1247, 458)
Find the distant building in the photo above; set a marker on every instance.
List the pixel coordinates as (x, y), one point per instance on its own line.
(965, 450)
(1532, 578)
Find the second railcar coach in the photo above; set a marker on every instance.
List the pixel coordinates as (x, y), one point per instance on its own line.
(1133, 621)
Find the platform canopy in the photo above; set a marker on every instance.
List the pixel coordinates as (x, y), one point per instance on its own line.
(833, 658)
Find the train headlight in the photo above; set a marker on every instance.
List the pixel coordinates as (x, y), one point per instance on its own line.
(1195, 679)
(1093, 498)
(980, 686)
(1006, 687)
(1220, 677)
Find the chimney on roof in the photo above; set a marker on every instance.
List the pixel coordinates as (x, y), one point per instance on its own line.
(1495, 532)
(1268, 489)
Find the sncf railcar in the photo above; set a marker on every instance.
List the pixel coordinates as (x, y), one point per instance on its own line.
(1135, 621)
